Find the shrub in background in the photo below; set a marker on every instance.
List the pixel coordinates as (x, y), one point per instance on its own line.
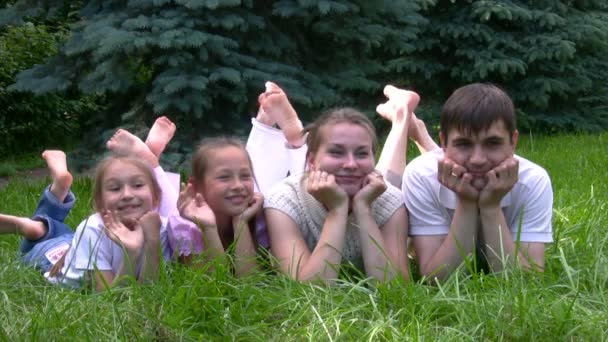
(29, 122)
(203, 63)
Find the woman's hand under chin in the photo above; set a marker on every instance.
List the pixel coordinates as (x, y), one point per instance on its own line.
(373, 187)
(323, 187)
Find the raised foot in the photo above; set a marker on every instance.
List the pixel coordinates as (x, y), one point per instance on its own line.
(160, 135)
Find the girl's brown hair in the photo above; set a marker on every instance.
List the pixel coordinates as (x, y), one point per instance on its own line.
(336, 116)
(200, 158)
(100, 173)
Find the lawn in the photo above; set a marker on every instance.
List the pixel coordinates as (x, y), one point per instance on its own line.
(568, 302)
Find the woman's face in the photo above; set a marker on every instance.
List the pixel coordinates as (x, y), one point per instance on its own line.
(346, 152)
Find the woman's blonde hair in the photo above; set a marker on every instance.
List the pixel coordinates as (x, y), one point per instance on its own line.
(349, 115)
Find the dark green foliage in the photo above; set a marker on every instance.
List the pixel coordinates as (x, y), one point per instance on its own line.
(52, 10)
(28, 122)
(203, 63)
(549, 55)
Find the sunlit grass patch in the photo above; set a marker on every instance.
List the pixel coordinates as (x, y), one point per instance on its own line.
(568, 302)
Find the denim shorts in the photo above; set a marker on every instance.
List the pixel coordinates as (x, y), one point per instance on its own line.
(44, 252)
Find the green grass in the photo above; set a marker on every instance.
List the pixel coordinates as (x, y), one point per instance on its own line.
(568, 302)
(10, 166)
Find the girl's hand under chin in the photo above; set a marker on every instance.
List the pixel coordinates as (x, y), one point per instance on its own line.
(192, 206)
(255, 205)
(373, 187)
(127, 233)
(323, 187)
(150, 224)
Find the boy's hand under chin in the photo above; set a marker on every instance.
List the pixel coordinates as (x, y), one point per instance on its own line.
(501, 180)
(456, 178)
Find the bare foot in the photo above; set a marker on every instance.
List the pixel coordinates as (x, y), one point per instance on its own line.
(399, 105)
(160, 134)
(123, 143)
(26, 227)
(276, 105)
(62, 178)
(263, 117)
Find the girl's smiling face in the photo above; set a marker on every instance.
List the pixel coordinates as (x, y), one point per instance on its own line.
(126, 190)
(227, 184)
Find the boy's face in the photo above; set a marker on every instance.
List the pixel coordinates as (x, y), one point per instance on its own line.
(480, 152)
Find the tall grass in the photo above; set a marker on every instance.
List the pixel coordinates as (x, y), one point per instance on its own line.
(568, 302)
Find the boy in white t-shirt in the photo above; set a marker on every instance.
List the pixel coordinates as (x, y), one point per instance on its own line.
(475, 194)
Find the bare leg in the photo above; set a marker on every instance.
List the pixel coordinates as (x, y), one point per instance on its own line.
(276, 105)
(62, 178)
(398, 109)
(160, 134)
(26, 227)
(417, 131)
(123, 143)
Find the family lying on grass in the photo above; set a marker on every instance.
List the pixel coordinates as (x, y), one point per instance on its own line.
(326, 201)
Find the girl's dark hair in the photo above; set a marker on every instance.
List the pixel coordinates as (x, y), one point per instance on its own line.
(200, 158)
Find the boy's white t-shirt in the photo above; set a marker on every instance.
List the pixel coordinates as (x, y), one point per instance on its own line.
(92, 249)
(527, 206)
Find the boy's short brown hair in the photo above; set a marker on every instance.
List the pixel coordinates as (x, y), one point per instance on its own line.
(475, 107)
